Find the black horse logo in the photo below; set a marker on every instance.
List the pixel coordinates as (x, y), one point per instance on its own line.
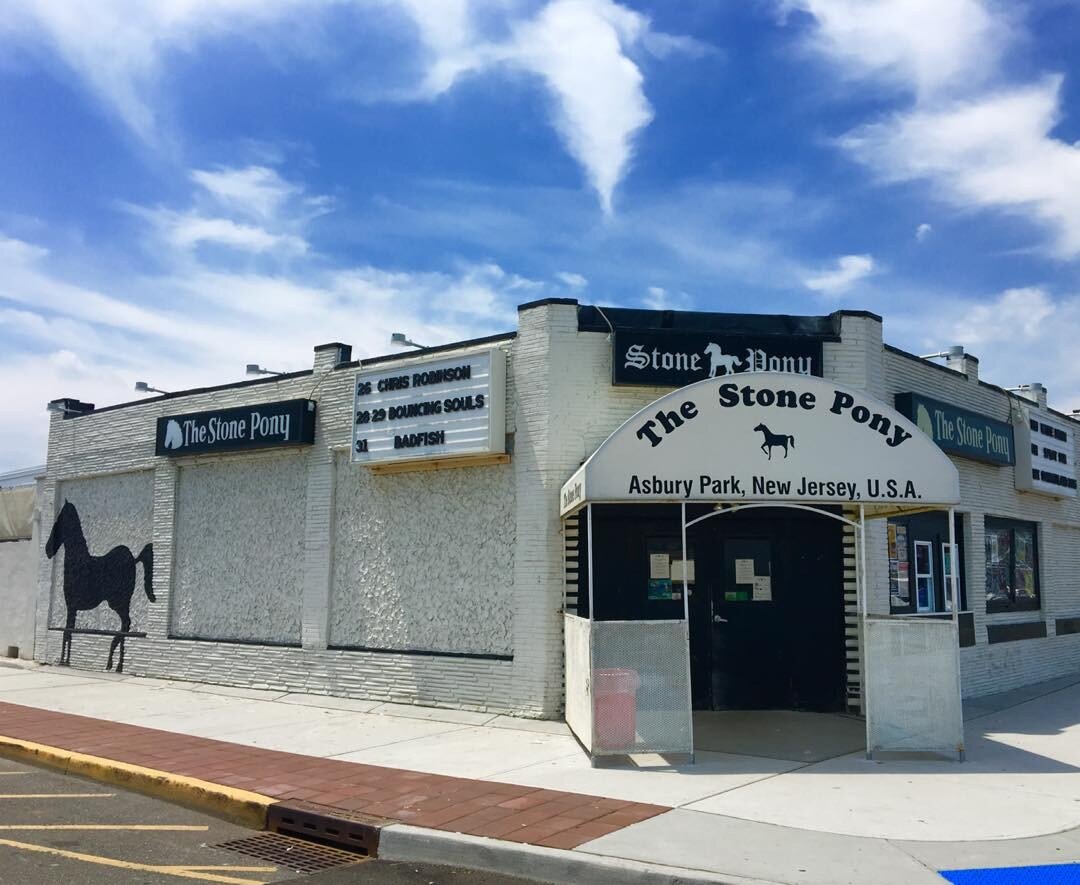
(775, 439)
(91, 580)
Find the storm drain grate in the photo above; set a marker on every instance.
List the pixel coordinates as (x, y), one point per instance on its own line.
(297, 855)
(330, 826)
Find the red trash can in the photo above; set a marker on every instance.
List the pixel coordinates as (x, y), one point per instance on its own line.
(615, 708)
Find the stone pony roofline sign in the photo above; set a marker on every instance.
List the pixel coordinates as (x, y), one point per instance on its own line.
(762, 437)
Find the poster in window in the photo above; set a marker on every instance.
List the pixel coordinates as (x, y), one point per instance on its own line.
(892, 542)
(661, 588)
(659, 566)
(744, 571)
(901, 543)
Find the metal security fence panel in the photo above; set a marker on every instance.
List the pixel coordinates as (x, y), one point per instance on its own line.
(913, 685)
(640, 687)
(578, 678)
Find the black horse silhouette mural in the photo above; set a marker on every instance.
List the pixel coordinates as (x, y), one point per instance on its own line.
(92, 580)
(775, 439)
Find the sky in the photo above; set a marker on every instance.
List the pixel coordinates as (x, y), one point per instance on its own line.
(188, 186)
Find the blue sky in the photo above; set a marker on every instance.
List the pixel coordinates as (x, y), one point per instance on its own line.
(192, 185)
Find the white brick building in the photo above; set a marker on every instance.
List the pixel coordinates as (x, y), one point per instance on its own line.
(292, 567)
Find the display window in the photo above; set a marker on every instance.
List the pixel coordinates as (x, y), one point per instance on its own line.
(921, 563)
(1012, 565)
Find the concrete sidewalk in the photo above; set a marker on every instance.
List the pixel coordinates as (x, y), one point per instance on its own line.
(774, 797)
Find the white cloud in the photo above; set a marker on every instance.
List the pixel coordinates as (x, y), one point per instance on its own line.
(117, 46)
(572, 280)
(923, 231)
(580, 49)
(849, 269)
(659, 298)
(1016, 314)
(577, 47)
(926, 45)
(994, 151)
(980, 142)
(251, 209)
(186, 230)
(1020, 335)
(198, 322)
(257, 191)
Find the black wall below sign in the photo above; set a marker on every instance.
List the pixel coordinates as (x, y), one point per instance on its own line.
(668, 358)
(258, 426)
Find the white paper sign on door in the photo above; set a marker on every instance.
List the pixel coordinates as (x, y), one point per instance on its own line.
(676, 571)
(744, 571)
(762, 589)
(660, 565)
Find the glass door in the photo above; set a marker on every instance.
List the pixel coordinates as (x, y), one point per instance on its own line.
(924, 576)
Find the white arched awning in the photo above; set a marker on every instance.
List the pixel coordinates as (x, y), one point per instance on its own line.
(767, 437)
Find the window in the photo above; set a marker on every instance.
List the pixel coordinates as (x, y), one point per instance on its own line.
(924, 576)
(921, 564)
(1012, 566)
(948, 551)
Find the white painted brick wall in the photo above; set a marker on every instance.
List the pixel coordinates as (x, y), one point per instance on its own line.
(986, 490)
(560, 406)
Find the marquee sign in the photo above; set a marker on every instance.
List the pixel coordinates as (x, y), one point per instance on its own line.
(266, 425)
(669, 358)
(960, 431)
(766, 437)
(1045, 455)
(432, 409)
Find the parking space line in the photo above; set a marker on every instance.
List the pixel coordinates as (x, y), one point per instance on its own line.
(201, 874)
(169, 828)
(57, 795)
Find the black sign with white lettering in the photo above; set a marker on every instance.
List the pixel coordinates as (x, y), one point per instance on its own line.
(265, 425)
(668, 358)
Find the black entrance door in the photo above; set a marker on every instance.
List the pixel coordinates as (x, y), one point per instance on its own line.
(767, 613)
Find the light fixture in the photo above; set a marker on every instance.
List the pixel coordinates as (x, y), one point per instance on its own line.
(954, 352)
(398, 339)
(256, 369)
(143, 387)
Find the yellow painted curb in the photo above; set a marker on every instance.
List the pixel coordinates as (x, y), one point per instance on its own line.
(239, 806)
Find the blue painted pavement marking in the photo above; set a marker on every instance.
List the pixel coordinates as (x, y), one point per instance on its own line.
(1055, 874)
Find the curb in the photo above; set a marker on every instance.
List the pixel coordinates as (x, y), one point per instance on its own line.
(402, 842)
(238, 806)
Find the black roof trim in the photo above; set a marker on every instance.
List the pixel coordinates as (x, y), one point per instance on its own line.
(593, 318)
(986, 384)
(868, 314)
(929, 363)
(440, 348)
(542, 302)
(195, 391)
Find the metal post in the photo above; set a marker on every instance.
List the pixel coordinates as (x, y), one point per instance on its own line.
(954, 577)
(686, 623)
(864, 657)
(589, 692)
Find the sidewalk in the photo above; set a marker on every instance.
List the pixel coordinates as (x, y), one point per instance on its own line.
(520, 797)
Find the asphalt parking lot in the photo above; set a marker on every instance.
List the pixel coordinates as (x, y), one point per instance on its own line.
(58, 829)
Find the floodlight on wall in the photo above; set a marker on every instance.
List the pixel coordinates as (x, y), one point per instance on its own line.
(399, 339)
(256, 369)
(143, 387)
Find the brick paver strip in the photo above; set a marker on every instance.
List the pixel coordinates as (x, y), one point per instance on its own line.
(481, 808)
